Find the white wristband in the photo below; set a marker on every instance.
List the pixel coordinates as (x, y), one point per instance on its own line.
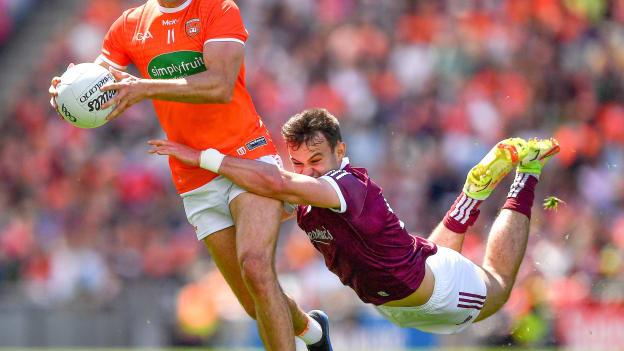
(211, 159)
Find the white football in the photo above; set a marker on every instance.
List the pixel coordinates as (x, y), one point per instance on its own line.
(79, 98)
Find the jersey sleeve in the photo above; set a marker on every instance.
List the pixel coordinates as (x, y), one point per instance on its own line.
(224, 23)
(350, 190)
(113, 49)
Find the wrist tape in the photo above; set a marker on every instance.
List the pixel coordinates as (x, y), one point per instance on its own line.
(211, 159)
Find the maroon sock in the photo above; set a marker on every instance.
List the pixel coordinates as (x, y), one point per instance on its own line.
(462, 214)
(522, 193)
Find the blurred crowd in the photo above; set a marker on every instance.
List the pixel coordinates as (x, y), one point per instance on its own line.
(12, 13)
(422, 89)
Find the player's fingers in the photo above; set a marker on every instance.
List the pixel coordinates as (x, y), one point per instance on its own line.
(116, 100)
(113, 86)
(52, 89)
(116, 112)
(111, 116)
(119, 75)
(161, 151)
(121, 106)
(157, 142)
(55, 107)
(108, 104)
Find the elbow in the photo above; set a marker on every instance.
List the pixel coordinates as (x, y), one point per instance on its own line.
(225, 98)
(275, 185)
(223, 94)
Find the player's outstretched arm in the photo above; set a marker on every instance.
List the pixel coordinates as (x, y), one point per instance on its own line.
(257, 177)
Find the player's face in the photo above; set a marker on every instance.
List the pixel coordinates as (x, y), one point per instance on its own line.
(317, 158)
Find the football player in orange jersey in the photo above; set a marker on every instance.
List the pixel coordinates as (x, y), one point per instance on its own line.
(190, 56)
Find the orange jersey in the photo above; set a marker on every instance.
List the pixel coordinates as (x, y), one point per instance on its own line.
(167, 43)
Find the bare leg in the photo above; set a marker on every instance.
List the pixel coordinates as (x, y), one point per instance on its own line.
(504, 252)
(222, 248)
(299, 317)
(257, 221)
(445, 237)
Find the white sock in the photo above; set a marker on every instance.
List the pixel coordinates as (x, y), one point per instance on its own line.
(300, 345)
(313, 332)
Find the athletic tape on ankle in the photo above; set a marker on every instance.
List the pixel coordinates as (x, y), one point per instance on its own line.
(211, 159)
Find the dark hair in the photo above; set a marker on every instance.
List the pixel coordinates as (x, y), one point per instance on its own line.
(303, 127)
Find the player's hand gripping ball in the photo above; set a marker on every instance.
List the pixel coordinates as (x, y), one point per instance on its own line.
(80, 100)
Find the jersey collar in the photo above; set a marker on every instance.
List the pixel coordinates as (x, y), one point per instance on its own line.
(174, 9)
(344, 163)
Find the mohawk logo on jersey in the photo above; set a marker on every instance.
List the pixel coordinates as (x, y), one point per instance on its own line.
(256, 143)
(192, 27)
(320, 235)
(177, 64)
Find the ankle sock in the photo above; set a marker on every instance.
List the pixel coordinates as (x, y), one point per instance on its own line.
(463, 214)
(522, 193)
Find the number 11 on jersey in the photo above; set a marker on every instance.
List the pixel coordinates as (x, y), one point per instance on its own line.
(171, 36)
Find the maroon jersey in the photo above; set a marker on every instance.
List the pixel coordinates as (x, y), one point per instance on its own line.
(364, 243)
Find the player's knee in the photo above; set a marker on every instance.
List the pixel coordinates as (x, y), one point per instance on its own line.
(256, 271)
(499, 284)
(507, 284)
(499, 287)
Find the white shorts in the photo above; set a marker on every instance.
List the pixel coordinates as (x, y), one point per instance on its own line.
(208, 207)
(458, 296)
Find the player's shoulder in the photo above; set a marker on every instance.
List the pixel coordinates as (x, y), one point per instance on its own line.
(336, 173)
(349, 173)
